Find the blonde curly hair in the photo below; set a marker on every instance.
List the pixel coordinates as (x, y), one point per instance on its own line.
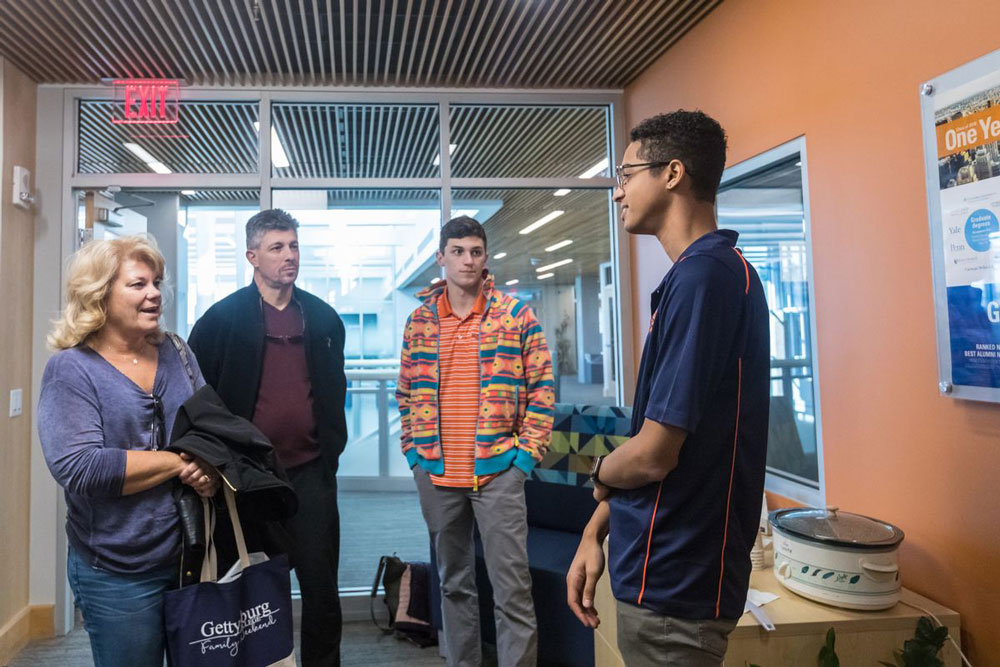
(93, 270)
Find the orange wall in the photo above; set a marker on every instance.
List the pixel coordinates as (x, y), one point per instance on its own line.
(846, 75)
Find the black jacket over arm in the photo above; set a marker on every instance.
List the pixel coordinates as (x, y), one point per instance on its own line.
(228, 342)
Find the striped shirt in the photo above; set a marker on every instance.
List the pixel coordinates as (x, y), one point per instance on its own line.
(458, 393)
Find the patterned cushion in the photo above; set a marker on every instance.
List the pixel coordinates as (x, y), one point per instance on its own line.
(581, 432)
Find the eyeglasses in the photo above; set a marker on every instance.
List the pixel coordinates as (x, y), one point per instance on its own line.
(287, 340)
(622, 177)
(293, 339)
(158, 428)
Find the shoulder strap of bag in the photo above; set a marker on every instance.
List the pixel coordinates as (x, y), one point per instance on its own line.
(182, 351)
(210, 565)
(374, 595)
(234, 516)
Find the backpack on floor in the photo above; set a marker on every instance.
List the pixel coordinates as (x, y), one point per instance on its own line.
(407, 597)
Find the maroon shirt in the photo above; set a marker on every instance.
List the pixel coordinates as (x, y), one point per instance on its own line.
(284, 409)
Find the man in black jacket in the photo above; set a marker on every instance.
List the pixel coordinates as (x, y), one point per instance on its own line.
(275, 355)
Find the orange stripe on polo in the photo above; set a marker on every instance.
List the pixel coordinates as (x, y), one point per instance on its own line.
(458, 393)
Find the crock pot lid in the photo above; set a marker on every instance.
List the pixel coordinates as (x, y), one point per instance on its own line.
(836, 527)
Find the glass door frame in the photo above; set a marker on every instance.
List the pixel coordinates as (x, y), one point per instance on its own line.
(444, 98)
(71, 181)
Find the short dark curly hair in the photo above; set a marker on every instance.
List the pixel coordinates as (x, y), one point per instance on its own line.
(265, 221)
(460, 228)
(692, 137)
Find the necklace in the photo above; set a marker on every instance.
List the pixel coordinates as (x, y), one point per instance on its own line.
(108, 352)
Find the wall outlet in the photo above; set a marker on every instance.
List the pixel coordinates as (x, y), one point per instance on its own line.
(15, 402)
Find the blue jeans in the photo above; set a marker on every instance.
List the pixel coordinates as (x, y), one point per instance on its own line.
(122, 613)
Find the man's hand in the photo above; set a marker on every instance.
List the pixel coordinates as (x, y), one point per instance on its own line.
(600, 491)
(581, 580)
(199, 475)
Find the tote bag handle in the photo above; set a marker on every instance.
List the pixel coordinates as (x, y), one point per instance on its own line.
(210, 565)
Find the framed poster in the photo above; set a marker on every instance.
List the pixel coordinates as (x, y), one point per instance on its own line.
(960, 113)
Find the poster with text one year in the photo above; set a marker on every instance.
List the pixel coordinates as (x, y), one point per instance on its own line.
(968, 143)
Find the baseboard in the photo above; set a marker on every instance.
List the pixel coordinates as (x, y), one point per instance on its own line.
(41, 621)
(14, 635)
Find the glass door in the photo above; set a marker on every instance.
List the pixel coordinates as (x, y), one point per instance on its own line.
(367, 252)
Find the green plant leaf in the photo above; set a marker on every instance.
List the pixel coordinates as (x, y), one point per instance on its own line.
(827, 654)
(925, 630)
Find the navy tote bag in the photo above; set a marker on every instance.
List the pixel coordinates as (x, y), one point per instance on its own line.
(243, 619)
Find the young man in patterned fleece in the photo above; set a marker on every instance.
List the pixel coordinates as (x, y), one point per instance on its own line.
(476, 399)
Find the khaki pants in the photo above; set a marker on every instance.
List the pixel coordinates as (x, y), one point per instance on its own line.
(648, 639)
(500, 512)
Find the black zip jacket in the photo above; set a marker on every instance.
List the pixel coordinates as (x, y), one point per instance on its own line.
(228, 342)
(204, 427)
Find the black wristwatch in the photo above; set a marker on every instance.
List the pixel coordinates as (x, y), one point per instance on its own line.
(595, 470)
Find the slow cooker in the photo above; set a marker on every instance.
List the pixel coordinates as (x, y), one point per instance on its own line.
(837, 558)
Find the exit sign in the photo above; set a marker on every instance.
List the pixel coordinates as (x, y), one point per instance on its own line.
(146, 101)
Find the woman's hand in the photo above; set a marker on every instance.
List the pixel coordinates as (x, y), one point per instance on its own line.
(199, 475)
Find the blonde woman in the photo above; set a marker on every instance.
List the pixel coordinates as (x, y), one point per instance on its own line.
(108, 400)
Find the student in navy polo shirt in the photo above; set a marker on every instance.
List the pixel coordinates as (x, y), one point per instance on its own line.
(681, 498)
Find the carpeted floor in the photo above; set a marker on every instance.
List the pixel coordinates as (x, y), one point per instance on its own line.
(378, 524)
(363, 646)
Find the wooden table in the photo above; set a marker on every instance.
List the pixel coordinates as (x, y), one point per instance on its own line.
(863, 637)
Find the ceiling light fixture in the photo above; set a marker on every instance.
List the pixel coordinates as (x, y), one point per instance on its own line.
(545, 276)
(140, 152)
(187, 193)
(596, 169)
(554, 265)
(151, 162)
(435, 281)
(561, 244)
(499, 255)
(543, 221)
(561, 192)
(279, 158)
(159, 167)
(512, 282)
(451, 150)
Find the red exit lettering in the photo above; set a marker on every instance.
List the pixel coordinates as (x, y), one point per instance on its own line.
(147, 101)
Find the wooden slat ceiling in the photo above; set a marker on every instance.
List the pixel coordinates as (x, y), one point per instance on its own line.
(209, 138)
(527, 142)
(354, 140)
(585, 221)
(581, 44)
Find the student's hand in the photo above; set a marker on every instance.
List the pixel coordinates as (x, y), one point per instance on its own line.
(601, 492)
(581, 580)
(199, 475)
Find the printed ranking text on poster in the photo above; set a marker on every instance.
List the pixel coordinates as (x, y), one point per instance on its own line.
(967, 127)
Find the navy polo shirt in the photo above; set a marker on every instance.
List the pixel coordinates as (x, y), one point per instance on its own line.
(681, 547)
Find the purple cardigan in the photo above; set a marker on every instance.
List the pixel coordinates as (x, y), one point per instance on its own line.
(89, 414)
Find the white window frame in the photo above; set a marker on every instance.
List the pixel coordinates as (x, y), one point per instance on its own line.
(444, 98)
(804, 491)
(58, 180)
